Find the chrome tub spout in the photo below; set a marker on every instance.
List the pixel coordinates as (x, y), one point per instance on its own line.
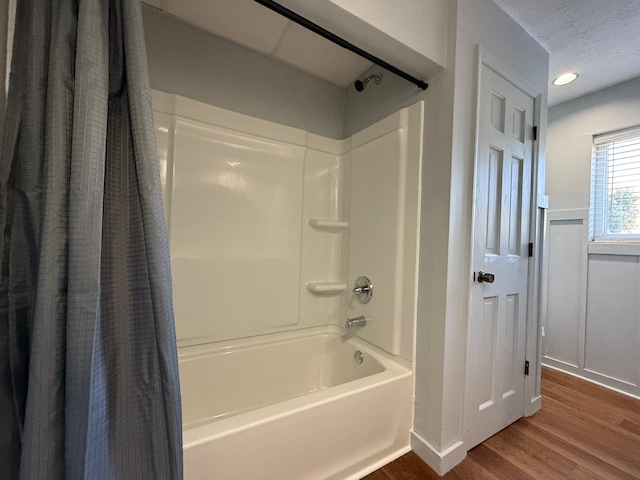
(360, 321)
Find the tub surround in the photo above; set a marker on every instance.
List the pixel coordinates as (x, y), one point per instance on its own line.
(270, 225)
(269, 228)
(384, 225)
(248, 202)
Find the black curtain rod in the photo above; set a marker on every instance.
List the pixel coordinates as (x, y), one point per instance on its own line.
(285, 12)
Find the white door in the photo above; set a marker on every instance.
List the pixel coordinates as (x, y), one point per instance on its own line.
(496, 342)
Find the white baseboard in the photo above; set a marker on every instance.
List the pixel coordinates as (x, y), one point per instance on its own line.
(440, 462)
(619, 386)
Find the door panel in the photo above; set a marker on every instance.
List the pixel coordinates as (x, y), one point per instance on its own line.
(495, 368)
(492, 245)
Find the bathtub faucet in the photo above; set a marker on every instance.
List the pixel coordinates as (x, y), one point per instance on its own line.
(360, 321)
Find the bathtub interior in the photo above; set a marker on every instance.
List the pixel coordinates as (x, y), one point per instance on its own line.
(342, 431)
(227, 378)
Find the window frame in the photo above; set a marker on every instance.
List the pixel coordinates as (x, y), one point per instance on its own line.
(599, 204)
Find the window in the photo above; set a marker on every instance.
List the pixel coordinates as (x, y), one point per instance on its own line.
(615, 186)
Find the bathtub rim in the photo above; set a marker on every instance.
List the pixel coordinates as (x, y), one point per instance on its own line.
(395, 368)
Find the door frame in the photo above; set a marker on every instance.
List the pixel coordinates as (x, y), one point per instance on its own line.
(532, 396)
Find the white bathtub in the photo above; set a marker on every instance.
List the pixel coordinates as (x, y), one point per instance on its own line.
(292, 406)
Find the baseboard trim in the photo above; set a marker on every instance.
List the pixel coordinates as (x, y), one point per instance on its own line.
(440, 461)
(592, 377)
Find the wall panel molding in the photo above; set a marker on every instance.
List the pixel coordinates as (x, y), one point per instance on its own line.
(592, 322)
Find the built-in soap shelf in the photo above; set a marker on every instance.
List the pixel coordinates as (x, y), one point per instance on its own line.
(328, 225)
(329, 287)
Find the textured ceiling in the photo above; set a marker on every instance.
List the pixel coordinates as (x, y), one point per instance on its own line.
(598, 39)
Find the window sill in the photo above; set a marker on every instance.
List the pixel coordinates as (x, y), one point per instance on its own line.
(620, 247)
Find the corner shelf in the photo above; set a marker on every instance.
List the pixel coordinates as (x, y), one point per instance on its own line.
(326, 287)
(328, 225)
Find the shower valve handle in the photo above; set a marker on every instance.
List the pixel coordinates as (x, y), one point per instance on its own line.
(363, 289)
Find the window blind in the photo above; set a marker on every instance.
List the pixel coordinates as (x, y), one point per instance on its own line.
(615, 185)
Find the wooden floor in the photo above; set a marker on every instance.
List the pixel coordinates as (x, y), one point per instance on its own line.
(582, 432)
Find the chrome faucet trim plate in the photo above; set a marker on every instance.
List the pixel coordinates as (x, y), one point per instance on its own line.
(363, 289)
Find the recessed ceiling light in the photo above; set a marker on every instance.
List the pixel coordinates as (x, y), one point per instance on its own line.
(565, 78)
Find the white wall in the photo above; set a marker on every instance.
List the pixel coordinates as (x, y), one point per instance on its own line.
(412, 35)
(420, 24)
(592, 322)
(571, 127)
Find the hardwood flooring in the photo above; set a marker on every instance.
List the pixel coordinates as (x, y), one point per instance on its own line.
(582, 432)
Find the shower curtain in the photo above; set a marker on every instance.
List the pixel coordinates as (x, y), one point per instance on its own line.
(88, 368)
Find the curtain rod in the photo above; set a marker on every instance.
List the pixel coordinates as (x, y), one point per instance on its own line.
(291, 15)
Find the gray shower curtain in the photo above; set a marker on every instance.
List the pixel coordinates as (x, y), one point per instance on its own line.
(88, 369)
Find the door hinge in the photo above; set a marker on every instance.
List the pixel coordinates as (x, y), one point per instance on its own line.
(526, 367)
(531, 249)
(535, 132)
